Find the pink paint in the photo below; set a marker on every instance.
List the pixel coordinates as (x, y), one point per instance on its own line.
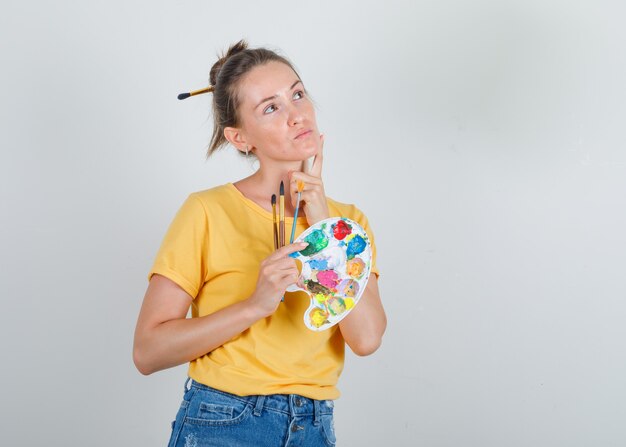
(328, 278)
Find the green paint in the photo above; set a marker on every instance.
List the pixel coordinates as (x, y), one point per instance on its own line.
(317, 242)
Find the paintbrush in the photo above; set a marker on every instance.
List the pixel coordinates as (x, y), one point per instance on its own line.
(210, 88)
(281, 215)
(295, 214)
(275, 222)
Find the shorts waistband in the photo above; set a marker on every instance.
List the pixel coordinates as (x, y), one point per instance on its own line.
(292, 404)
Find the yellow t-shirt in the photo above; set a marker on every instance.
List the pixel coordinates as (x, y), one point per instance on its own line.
(212, 249)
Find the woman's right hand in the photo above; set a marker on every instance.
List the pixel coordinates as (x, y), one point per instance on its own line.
(277, 272)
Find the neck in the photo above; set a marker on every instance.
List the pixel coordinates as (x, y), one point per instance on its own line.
(266, 180)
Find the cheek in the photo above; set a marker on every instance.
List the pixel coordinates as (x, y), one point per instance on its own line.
(265, 133)
(273, 139)
(309, 110)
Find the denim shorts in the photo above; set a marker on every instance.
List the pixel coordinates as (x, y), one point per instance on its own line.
(210, 417)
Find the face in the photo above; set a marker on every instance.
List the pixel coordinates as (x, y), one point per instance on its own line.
(277, 117)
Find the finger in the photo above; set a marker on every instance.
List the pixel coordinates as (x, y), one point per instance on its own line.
(300, 185)
(304, 182)
(294, 198)
(295, 179)
(287, 250)
(316, 168)
(283, 264)
(306, 178)
(307, 163)
(312, 195)
(307, 166)
(280, 271)
(310, 184)
(291, 278)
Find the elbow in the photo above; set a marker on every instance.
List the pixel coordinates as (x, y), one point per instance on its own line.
(366, 347)
(369, 344)
(141, 365)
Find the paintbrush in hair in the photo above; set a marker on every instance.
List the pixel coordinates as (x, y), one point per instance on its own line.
(196, 92)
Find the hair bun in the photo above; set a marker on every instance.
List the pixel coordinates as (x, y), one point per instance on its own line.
(232, 50)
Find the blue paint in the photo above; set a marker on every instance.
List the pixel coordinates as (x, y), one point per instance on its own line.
(356, 245)
(319, 264)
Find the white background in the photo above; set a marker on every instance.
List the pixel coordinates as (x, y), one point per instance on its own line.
(489, 141)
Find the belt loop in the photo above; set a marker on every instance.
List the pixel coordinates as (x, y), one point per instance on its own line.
(186, 382)
(259, 405)
(316, 417)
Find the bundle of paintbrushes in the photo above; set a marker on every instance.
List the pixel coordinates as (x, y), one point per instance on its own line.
(279, 221)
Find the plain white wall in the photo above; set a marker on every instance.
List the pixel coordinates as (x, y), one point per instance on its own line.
(490, 140)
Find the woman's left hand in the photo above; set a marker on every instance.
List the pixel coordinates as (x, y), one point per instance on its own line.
(315, 207)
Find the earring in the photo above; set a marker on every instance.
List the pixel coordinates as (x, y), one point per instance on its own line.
(247, 148)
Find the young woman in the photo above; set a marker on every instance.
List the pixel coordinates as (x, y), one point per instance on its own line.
(258, 375)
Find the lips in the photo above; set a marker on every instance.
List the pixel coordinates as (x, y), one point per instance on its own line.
(303, 133)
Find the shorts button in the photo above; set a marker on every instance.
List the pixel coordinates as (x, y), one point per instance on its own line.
(298, 402)
(296, 427)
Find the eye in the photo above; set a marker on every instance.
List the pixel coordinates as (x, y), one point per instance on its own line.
(271, 108)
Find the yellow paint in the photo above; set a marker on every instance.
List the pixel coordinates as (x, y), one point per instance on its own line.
(320, 297)
(318, 317)
(349, 303)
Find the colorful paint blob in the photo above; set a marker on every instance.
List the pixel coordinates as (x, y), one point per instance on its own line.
(319, 264)
(341, 229)
(315, 287)
(336, 305)
(355, 267)
(356, 245)
(317, 241)
(318, 317)
(328, 278)
(335, 269)
(348, 287)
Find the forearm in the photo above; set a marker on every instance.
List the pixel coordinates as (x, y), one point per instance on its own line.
(364, 327)
(179, 341)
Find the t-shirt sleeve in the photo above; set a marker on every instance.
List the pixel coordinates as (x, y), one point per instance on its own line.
(362, 220)
(181, 256)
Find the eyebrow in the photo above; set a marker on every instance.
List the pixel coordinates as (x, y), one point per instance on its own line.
(275, 96)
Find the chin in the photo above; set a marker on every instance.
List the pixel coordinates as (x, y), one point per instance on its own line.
(310, 150)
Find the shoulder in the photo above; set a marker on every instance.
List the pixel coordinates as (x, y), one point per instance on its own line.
(199, 204)
(217, 197)
(341, 209)
(211, 194)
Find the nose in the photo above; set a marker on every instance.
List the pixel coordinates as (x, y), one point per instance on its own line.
(295, 116)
